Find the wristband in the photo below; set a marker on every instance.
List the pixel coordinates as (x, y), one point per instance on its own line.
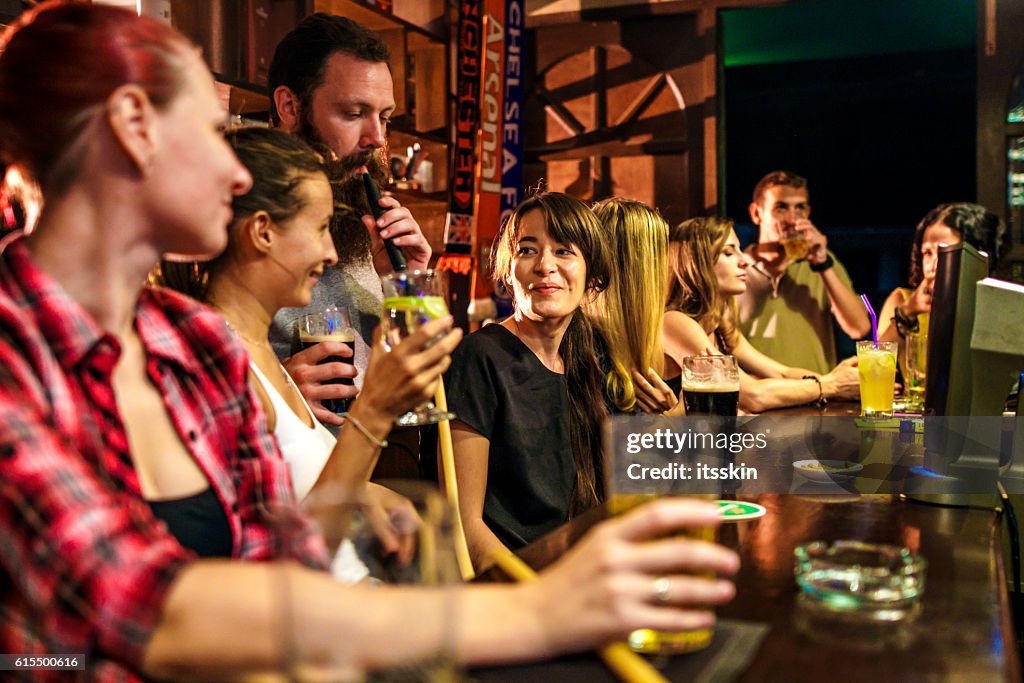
(824, 265)
(905, 325)
(821, 401)
(379, 443)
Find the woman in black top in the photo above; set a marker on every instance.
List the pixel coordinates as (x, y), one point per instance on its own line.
(527, 391)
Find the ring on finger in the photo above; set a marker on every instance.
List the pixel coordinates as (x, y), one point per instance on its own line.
(660, 590)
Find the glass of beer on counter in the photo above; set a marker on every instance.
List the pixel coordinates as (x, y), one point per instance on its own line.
(330, 324)
(916, 355)
(711, 385)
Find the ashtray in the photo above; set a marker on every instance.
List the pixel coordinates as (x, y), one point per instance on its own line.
(861, 581)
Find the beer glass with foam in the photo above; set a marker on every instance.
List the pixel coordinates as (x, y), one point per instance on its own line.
(331, 324)
(711, 385)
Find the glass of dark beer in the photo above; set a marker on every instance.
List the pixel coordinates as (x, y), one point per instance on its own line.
(330, 324)
(711, 385)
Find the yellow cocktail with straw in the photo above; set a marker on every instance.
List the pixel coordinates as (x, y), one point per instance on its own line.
(877, 368)
(876, 363)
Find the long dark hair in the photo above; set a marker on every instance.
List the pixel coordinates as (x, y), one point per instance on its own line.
(279, 163)
(570, 221)
(977, 226)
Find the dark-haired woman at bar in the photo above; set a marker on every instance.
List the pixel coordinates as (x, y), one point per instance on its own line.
(709, 269)
(113, 395)
(527, 391)
(906, 309)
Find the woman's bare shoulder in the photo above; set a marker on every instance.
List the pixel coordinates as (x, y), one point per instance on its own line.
(684, 335)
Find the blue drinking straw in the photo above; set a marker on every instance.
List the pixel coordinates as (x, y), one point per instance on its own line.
(874, 319)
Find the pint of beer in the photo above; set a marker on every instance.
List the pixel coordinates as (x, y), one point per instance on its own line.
(627, 452)
(330, 324)
(796, 248)
(711, 385)
(795, 244)
(647, 640)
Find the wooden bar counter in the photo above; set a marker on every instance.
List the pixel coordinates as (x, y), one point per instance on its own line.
(963, 631)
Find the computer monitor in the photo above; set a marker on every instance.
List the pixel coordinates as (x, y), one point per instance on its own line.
(997, 359)
(997, 344)
(960, 445)
(948, 383)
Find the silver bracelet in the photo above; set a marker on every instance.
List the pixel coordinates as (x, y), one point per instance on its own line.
(379, 443)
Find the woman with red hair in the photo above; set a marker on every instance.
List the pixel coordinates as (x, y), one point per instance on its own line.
(114, 397)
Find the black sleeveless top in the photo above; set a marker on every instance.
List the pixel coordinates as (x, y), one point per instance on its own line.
(675, 384)
(198, 522)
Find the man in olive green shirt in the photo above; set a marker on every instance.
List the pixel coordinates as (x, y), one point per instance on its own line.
(790, 301)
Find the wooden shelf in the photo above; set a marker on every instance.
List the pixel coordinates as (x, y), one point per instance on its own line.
(437, 155)
(406, 125)
(243, 99)
(425, 18)
(415, 197)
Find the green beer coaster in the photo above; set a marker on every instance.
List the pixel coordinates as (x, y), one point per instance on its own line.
(739, 510)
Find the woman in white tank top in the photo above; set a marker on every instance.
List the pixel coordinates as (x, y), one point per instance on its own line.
(279, 245)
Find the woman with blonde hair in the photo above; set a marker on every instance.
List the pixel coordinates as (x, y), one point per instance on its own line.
(709, 269)
(629, 314)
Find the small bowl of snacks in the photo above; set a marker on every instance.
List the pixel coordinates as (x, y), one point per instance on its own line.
(827, 470)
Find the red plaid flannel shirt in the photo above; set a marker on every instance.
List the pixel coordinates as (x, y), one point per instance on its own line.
(85, 565)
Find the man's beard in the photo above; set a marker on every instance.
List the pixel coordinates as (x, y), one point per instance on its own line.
(351, 238)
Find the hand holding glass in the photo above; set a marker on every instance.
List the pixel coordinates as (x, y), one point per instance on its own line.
(626, 492)
(411, 299)
(329, 325)
(794, 243)
(406, 539)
